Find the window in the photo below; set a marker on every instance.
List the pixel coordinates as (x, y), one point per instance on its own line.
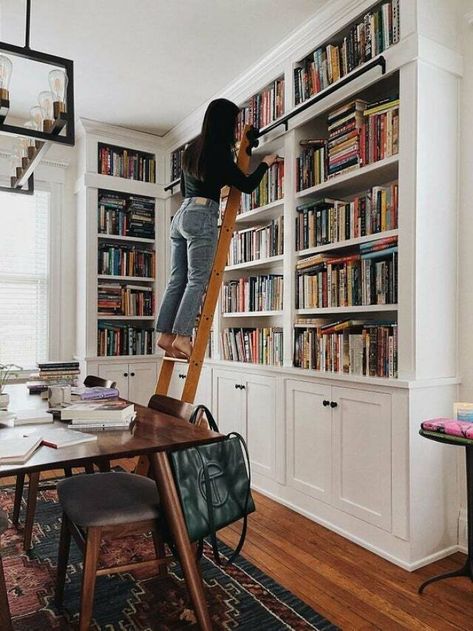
(24, 278)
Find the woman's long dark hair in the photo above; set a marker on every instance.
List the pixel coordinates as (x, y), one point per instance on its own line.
(217, 136)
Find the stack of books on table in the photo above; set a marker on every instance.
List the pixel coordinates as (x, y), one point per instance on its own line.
(54, 373)
(99, 415)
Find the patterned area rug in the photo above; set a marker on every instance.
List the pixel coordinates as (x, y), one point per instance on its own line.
(240, 597)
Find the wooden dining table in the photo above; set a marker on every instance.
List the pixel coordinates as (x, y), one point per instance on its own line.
(154, 435)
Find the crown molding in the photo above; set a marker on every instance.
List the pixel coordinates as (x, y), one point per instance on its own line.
(89, 126)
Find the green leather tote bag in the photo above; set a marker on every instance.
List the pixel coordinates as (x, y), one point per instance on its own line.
(214, 485)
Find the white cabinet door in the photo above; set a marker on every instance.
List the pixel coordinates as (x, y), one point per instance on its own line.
(204, 389)
(309, 438)
(178, 378)
(118, 373)
(362, 468)
(228, 401)
(261, 423)
(142, 381)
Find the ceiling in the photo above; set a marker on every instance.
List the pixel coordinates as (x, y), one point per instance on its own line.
(146, 64)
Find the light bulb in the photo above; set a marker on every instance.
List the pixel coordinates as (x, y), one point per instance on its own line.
(31, 143)
(46, 101)
(58, 85)
(37, 117)
(5, 75)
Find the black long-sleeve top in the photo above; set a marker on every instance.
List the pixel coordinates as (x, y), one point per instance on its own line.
(224, 172)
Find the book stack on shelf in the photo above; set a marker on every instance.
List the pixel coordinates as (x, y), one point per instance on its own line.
(126, 163)
(263, 108)
(365, 278)
(54, 373)
(257, 243)
(253, 345)
(120, 338)
(126, 215)
(176, 163)
(353, 347)
(125, 260)
(254, 293)
(328, 221)
(359, 133)
(127, 300)
(369, 36)
(270, 189)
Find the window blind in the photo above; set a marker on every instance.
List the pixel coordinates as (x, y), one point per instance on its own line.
(24, 278)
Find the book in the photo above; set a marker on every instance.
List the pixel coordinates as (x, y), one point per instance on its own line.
(31, 417)
(108, 411)
(97, 392)
(19, 449)
(94, 425)
(463, 411)
(57, 437)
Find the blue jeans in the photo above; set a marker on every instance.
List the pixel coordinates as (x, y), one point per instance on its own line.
(194, 233)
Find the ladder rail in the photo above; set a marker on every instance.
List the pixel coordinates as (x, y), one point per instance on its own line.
(197, 357)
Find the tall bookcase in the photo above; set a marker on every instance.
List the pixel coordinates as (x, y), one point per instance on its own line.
(343, 448)
(119, 257)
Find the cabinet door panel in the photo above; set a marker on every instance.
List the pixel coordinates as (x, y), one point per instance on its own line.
(177, 380)
(362, 465)
(118, 373)
(261, 425)
(309, 438)
(204, 389)
(228, 405)
(142, 382)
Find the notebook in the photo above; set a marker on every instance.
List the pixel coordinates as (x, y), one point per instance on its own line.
(57, 437)
(19, 449)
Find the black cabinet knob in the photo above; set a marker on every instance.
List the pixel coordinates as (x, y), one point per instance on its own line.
(325, 403)
(333, 404)
(243, 387)
(181, 376)
(132, 374)
(125, 374)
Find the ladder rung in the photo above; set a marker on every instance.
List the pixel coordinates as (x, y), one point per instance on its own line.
(177, 360)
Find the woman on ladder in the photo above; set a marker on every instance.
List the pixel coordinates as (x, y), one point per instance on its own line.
(207, 165)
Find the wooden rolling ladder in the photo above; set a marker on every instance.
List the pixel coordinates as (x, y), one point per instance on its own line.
(196, 360)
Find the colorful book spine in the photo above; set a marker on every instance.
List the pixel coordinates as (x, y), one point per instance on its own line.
(116, 339)
(255, 293)
(126, 163)
(126, 215)
(125, 261)
(253, 244)
(127, 300)
(263, 108)
(270, 189)
(255, 346)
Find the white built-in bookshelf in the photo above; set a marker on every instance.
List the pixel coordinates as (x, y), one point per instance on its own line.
(339, 446)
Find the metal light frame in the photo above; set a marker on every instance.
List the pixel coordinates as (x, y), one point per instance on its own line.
(65, 121)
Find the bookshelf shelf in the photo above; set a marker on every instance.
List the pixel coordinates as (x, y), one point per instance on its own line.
(251, 314)
(102, 316)
(117, 237)
(255, 264)
(123, 185)
(268, 211)
(358, 180)
(133, 278)
(355, 309)
(349, 243)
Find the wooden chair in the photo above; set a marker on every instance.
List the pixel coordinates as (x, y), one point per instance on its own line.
(5, 619)
(89, 381)
(106, 504)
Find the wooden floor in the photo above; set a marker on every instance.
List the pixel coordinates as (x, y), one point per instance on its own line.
(353, 588)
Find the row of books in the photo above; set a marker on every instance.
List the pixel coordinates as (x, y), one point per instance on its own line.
(125, 260)
(255, 293)
(127, 300)
(331, 221)
(270, 189)
(358, 134)
(121, 162)
(367, 278)
(256, 346)
(351, 347)
(253, 244)
(114, 339)
(263, 108)
(367, 37)
(129, 215)
(176, 163)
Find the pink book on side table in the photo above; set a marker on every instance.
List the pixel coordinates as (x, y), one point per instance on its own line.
(450, 426)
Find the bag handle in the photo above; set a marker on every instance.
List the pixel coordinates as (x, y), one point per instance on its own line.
(208, 493)
(210, 419)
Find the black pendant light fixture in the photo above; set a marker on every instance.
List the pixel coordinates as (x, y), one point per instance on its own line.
(52, 118)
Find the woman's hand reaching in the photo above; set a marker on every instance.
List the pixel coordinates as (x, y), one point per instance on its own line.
(270, 159)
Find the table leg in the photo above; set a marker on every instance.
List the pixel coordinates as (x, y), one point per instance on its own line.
(5, 620)
(30, 509)
(177, 526)
(467, 569)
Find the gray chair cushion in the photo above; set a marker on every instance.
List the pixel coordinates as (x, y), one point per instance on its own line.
(3, 521)
(108, 499)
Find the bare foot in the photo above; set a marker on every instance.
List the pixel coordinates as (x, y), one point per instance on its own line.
(165, 341)
(182, 344)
